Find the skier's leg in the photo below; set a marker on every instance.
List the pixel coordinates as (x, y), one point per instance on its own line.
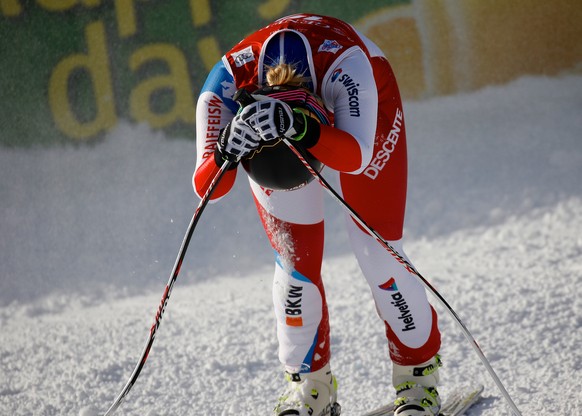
(401, 301)
(378, 194)
(293, 221)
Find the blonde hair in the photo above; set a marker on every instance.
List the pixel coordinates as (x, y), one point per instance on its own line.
(285, 74)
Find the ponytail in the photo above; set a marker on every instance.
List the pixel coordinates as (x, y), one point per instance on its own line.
(285, 74)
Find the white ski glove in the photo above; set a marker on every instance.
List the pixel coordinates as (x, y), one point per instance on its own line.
(236, 140)
(272, 118)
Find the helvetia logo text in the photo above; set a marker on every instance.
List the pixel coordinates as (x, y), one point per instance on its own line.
(399, 302)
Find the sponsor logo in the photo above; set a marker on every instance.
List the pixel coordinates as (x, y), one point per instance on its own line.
(243, 57)
(266, 191)
(308, 20)
(399, 302)
(228, 89)
(352, 89)
(389, 286)
(382, 156)
(282, 116)
(293, 306)
(332, 46)
(213, 122)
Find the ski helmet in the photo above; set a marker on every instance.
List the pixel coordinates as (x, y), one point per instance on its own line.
(273, 165)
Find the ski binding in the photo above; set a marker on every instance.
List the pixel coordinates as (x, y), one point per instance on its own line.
(456, 404)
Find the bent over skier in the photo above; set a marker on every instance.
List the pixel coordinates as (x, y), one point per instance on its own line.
(331, 91)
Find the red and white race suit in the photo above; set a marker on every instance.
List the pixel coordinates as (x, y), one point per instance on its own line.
(366, 147)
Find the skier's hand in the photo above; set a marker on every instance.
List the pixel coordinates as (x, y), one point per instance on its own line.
(236, 141)
(272, 119)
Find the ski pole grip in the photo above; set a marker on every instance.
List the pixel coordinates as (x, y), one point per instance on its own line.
(243, 97)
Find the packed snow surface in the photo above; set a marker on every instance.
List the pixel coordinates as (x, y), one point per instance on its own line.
(89, 235)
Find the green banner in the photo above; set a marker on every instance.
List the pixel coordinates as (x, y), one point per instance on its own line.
(71, 69)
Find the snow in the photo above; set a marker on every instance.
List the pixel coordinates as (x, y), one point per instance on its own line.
(89, 234)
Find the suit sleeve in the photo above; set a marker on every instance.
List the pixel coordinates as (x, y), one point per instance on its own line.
(214, 109)
(349, 90)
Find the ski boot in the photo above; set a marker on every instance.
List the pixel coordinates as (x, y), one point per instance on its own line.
(416, 393)
(309, 394)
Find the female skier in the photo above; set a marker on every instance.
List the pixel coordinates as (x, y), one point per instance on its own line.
(318, 82)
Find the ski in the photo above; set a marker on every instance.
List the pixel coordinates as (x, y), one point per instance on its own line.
(456, 404)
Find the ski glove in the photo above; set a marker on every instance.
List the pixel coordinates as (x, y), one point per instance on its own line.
(235, 141)
(272, 119)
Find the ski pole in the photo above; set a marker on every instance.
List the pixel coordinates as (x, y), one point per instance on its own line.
(167, 292)
(300, 154)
